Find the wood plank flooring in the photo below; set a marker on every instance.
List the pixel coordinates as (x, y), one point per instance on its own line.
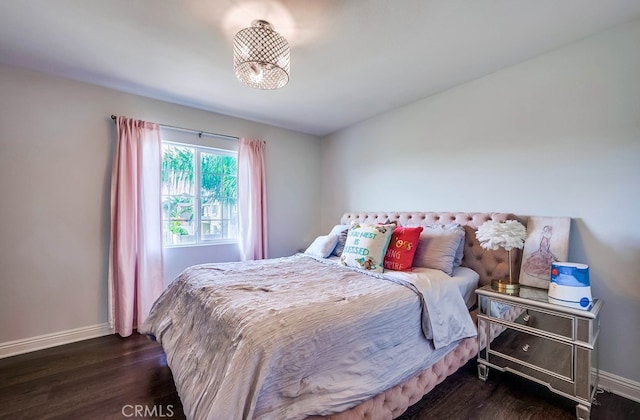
(112, 377)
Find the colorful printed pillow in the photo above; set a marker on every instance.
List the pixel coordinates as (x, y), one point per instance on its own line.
(437, 248)
(322, 246)
(402, 248)
(341, 232)
(366, 245)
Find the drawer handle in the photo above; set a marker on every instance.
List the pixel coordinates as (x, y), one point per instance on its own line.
(525, 348)
(526, 318)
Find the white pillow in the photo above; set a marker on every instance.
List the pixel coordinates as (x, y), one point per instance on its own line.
(322, 246)
(366, 245)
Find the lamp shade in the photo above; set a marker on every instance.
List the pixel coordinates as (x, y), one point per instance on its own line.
(261, 56)
(494, 234)
(569, 285)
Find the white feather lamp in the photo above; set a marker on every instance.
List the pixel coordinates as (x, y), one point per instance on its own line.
(508, 235)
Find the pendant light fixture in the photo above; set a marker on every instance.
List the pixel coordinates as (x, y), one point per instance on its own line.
(261, 56)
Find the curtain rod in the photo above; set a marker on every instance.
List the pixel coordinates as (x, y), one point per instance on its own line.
(189, 130)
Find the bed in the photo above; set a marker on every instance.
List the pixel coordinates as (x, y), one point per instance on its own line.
(305, 337)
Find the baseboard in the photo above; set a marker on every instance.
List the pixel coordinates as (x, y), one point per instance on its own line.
(620, 386)
(25, 345)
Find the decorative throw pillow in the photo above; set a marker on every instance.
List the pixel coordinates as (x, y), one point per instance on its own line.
(341, 232)
(366, 245)
(457, 262)
(437, 248)
(322, 246)
(402, 248)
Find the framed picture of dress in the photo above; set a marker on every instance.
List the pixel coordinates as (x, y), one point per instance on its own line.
(547, 241)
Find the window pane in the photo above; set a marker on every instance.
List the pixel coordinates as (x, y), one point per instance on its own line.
(177, 217)
(230, 188)
(218, 189)
(177, 170)
(218, 174)
(178, 190)
(219, 219)
(211, 214)
(211, 170)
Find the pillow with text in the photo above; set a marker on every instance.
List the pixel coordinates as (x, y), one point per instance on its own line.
(402, 248)
(366, 246)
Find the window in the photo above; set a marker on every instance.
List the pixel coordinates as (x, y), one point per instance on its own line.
(199, 195)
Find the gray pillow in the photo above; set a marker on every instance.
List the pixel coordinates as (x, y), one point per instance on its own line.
(341, 231)
(438, 247)
(457, 262)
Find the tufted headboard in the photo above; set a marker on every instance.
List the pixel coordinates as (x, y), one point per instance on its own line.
(487, 263)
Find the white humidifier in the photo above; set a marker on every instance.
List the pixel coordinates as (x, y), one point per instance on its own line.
(569, 285)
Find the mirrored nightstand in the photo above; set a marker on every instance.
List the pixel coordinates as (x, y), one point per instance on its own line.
(551, 344)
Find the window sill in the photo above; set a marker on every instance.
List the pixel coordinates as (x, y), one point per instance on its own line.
(228, 242)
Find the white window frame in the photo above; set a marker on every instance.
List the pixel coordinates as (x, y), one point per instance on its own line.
(199, 149)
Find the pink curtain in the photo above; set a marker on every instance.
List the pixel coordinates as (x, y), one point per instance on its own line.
(252, 200)
(135, 260)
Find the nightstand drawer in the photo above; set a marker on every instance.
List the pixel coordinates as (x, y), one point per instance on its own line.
(544, 322)
(549, 355)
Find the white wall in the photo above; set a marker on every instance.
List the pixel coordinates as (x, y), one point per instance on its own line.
(56, 146)
(558, 135)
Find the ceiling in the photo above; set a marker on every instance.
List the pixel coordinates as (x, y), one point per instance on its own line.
(350, 59)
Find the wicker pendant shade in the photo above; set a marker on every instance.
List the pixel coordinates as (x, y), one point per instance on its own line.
(261, 56)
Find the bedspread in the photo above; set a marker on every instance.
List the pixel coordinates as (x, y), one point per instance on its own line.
(291, 337)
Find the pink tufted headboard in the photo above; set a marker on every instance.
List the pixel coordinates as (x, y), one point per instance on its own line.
(487, 263)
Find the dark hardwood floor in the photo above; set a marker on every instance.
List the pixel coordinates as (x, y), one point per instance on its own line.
(112, 377)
